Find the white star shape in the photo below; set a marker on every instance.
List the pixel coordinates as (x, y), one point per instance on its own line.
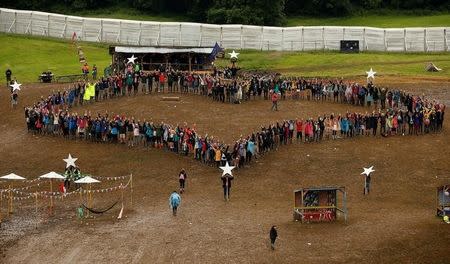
(227, 169)
(15, 86)
(234, 54)
(131, 59)
(371, 74)
(70, 161)
(368, 171)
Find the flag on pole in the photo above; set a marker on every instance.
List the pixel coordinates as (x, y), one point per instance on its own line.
(214, 52)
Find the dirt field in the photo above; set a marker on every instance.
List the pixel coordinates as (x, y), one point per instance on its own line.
(394, 224)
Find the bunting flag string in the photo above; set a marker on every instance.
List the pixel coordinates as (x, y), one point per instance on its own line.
(57, 195)
(22, 188)
(114, 178)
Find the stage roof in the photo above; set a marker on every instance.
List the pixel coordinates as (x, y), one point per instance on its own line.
(162, 50)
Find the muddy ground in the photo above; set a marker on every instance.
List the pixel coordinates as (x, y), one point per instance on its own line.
(396, 223)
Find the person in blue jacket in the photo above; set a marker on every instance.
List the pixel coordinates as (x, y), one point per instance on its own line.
(174, 202)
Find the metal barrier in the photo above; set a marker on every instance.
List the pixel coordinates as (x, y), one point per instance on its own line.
(148, 33)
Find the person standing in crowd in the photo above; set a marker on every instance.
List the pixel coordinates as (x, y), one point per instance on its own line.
(273, 234)
(174, 202)
(226, 185)
(94, 72)
(8, 74)
(85, 71)
(182, 178)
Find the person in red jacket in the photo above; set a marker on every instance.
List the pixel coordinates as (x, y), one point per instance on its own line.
(162, 79)
(274, 101)
(299, 128)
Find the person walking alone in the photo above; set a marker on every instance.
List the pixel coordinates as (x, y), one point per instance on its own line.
(174, 202)
(182, 178)
(274, 101)
(226, 184)
(367, 185)
(273, 234)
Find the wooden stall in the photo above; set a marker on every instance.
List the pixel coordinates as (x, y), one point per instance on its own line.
(320, 204)
(155, 58)
(443, 200)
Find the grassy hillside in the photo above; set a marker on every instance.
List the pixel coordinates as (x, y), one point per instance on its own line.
(387, 21)
(29, 56)
(392, 20)
(337, 64)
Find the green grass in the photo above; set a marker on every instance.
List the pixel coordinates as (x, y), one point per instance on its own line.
(335, 64)
(29, 56)
(388, 21)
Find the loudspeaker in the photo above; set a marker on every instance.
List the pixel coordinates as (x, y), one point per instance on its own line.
(112, 49)
(349, 45)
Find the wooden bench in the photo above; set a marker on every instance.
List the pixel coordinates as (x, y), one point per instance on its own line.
(69, 78)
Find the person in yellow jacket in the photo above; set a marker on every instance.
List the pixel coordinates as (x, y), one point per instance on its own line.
(217, 155)
(446, 219)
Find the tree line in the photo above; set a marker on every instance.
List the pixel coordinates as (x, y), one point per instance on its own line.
(254, 12)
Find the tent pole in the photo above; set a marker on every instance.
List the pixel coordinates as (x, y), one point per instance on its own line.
(36, 209)
(131, 187)
(10, 201)
(51, 196)
(1, 206)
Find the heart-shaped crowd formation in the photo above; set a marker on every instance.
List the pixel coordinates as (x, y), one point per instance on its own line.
(399, 113)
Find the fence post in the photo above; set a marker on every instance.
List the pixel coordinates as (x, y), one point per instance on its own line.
(303, 39)
(404, 40)
(323, 38)
(242, 30)
(82, 29)
(221, 36)
(179, 36)
(120, 32)
(282, 39)
(425, 44)
(159, 35)
(364, 40)
(48, 25)
(15, 22)
(30, 24)
(65, 26)
(201, 35)
(262, 38)
(140, 33)
(385, 43)
(101, 31)
(445, 40)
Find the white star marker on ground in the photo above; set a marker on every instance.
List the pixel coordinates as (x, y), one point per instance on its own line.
(15, 86)
(70, 161)
(371, 74)
(227, 169)
(233, 55)
(368, 171)
(131, 59)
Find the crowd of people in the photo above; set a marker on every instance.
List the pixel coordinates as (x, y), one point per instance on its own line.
(391, 112)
